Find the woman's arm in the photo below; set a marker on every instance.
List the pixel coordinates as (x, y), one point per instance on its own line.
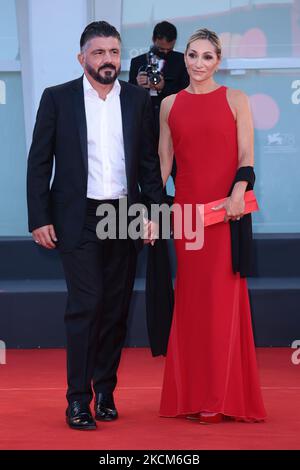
(245, 136)
(239, 104)
(165, 148)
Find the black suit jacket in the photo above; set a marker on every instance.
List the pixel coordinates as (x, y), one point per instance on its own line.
(60, 134)
(174, 72)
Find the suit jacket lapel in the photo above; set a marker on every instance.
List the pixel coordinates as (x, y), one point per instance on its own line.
(126, 110)
(81, 119)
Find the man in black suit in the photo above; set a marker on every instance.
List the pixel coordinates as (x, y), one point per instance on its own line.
(101, 132)
(174, 76)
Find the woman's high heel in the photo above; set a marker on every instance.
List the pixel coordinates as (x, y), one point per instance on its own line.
(212, 418)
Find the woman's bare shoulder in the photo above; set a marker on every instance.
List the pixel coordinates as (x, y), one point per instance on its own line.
(238, 102)
(237, 96)
(167, 103)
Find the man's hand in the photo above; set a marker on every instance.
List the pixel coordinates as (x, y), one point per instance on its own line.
(142, 80)
(45, 236)
(160, 86)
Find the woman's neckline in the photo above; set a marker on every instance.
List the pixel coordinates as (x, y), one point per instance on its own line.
(201, 94)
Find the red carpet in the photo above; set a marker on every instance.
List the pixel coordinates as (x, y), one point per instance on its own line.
(33, 403)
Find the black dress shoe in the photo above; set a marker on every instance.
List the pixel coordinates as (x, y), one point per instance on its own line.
(79, 416)
(105, 409)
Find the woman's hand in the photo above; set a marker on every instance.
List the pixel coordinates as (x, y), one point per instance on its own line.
(234, 207)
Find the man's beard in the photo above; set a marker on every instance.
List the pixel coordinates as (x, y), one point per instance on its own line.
(109, 78)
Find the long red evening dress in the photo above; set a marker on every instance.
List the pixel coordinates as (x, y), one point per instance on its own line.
(211, 362)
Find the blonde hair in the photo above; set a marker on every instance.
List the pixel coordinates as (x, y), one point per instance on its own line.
(211, 36)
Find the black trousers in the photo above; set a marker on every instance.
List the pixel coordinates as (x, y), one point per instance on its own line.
(100, 276)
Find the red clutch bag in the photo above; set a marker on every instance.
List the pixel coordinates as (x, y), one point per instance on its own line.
(213, 217)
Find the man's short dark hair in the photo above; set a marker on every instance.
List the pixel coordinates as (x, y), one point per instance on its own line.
(100, 29)
(165, 30)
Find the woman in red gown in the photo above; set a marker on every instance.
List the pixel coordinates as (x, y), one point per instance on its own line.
(211, 369)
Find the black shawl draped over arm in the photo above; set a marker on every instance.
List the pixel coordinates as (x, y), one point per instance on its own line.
(241, 230)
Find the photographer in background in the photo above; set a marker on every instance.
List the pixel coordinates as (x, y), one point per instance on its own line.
(162, 71)
(171, 68)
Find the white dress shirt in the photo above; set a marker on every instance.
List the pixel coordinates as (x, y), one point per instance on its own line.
(106, 160)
